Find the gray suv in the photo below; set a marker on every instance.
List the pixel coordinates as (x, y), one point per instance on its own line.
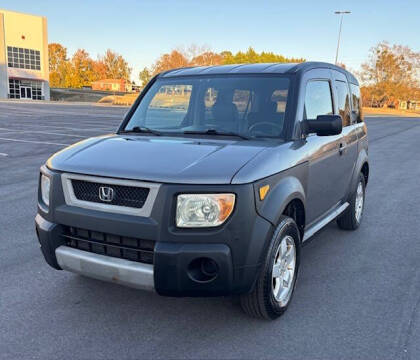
(212, 183)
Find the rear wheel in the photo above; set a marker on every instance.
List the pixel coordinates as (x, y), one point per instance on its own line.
(352, 216)
(276, 283)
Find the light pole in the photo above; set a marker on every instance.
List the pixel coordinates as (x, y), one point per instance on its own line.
(339, 32)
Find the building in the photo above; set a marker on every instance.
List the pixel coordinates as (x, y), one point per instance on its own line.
(410, 105)
(23, 56)
(111, 85)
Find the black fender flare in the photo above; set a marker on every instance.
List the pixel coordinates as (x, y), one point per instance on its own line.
(362, 158)
(279, 196)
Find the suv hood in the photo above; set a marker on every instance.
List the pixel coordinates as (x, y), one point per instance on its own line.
(160, 159)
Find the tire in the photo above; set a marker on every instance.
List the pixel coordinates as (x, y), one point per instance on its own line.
(264, 302)
(350, 219)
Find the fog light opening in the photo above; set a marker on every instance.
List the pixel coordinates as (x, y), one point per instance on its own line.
(203, 270)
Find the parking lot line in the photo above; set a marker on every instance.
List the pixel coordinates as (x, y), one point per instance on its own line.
(62, 127)
(34, 142)
(4, 154)
(39, 132)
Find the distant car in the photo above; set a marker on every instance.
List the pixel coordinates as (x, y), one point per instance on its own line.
(211, 184)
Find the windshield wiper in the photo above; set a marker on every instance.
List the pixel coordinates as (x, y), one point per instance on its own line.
(141, 129)
(216, 132)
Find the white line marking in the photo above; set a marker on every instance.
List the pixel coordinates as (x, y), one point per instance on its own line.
(3, 154)
(65, 128)
(42, 132)
(34, 142)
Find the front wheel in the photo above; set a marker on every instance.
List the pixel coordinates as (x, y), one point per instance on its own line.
(276, 282)
(352, 216)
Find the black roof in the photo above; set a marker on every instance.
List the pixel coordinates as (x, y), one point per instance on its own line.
(260, 68)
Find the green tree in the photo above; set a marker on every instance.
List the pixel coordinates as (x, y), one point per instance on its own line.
(251, 56)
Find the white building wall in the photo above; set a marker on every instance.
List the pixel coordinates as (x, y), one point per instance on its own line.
(4, 85)
(28, 32)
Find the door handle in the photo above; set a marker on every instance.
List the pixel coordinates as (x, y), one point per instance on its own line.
(342, 148)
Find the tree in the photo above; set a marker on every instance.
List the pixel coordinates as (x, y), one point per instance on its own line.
(207, 58)
(116, 66)
(390, 74)
(251, 56)
(81, 71)
(145, 76)
(57, 55)
(203, 56)
(100, 70)
(175, 59)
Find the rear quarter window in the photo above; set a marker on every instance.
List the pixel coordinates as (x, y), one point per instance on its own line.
(356, 103)
(343, 101)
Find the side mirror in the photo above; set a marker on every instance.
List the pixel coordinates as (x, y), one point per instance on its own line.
(324, 125)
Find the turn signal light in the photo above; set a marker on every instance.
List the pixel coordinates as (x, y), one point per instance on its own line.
(263, 191)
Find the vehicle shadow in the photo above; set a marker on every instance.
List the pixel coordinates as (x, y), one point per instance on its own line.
(142, 304)
(156, 326)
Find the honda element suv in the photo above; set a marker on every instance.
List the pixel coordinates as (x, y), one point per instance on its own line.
(212, 183)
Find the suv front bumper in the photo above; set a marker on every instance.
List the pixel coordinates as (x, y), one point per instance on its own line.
(106, 268)
(175, 272)
(186, 262)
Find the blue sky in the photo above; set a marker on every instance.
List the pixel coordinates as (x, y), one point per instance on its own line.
(142, 30)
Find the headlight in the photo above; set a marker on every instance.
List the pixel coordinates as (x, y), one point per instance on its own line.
(45, 189)
(203, 210)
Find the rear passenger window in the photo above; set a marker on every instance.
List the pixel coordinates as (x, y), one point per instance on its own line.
(343, 102)
(317, 99)
(356, 102)
(280, 98)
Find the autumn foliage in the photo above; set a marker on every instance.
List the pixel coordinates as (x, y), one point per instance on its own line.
(391, 74)
(196, 56)
(80, 70)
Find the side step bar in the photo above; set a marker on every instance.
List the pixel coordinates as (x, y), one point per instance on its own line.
(324, 221)
(119, 271)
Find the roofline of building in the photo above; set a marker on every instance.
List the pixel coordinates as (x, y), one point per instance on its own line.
(22, 13)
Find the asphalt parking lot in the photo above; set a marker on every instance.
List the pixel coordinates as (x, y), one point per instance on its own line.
(357, 296)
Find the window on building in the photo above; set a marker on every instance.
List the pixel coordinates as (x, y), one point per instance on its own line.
(22, 89)
(317, 99)
(14, 89)
(343, 101)
(23, 58)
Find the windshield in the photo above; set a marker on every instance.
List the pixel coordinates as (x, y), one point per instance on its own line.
(248, 106)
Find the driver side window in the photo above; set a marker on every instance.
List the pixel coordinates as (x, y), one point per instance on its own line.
(318, 100)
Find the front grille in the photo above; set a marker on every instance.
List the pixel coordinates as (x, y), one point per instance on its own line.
(128, 196)
(111, 245)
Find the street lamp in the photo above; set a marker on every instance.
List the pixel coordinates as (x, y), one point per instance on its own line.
(339, 33)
